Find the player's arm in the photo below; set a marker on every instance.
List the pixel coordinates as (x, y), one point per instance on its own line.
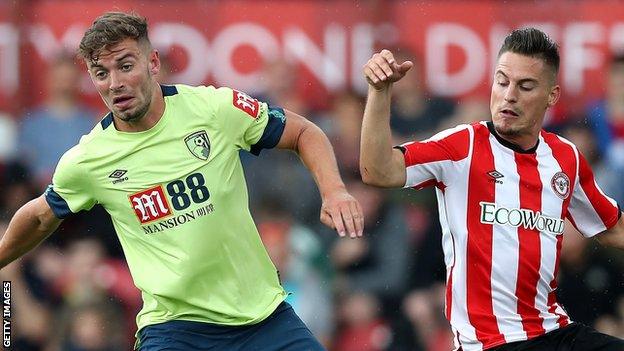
(32, 223)
(613, 237)
(339, 210)
(380, 164)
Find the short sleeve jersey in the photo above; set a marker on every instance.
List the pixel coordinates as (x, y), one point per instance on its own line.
(178, 200)
(502, 211)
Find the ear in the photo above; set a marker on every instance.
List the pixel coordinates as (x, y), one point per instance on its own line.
(154, 62)
(553, 97)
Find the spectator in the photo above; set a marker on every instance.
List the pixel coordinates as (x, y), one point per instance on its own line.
(363, 327)
(378, 262)
(303, 268)
(416, 114)
(8, 138)
(50, 130)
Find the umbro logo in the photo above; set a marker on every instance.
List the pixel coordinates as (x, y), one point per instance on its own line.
(118, 176)
(496, 176)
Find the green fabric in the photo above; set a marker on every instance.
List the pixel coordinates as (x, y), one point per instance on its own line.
(181, 209)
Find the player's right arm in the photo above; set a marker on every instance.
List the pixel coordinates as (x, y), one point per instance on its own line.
(30, 225)
(380, 164)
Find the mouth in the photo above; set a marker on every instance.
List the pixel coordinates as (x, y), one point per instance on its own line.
(508, 113)
(122, 101)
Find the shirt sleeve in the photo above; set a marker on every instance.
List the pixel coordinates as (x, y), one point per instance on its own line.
(432, 161)
(251, 124)
(591, 211)
(69, 192)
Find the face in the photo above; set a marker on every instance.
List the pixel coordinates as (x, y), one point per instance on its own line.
(523, 89)
(124, 77)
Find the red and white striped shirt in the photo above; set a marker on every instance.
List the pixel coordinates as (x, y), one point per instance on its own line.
(502, 212)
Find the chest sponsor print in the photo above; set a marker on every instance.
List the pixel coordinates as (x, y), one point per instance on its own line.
(150, 205)
(492, 213)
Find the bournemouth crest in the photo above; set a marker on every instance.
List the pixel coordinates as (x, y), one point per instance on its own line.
(198, 144)
(561, 185)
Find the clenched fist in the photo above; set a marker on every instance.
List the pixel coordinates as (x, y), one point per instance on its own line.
(382, 70)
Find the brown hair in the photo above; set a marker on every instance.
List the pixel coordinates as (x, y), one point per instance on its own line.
(110, 29)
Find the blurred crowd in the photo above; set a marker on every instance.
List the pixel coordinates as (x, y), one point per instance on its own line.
(384, 291)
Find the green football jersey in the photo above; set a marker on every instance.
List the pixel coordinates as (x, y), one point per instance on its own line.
(177, 197)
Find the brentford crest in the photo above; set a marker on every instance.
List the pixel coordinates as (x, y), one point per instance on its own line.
(561, 185)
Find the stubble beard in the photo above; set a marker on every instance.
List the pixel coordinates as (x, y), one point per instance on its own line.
(509, 131)
(137, 115)
(140, 111)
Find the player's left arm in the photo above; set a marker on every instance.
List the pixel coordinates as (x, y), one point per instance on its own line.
(613, 237)
(339, 210)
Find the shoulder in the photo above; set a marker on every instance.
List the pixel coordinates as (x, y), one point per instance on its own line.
(557, 142)
(462, 129)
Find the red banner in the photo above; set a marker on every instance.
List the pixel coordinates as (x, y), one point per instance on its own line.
(226, 43)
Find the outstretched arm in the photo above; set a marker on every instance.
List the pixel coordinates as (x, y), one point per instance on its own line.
(613, 237)
(32, 223)
(339, 210)
(380, 164)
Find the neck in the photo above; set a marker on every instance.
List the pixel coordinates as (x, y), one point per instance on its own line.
(520, 143)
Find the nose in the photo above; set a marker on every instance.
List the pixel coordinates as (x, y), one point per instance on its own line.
(511, 93)
(115, 82)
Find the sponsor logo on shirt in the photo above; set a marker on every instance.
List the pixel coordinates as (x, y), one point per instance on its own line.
(150, 204)
(118, 176)
(198, 144)
(491, 213)
(167, 206)
(495, 175)
(560, 183)
(245, 103)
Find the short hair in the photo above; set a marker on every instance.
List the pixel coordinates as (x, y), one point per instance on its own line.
(534, 43)
(112, 28)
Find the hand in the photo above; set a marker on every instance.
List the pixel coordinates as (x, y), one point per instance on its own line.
(382, 70)
(340, 211)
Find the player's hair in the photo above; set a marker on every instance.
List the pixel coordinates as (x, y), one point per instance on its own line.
(112, 28)
(534, 43)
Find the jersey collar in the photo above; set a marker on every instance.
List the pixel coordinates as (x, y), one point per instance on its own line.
(509, 144)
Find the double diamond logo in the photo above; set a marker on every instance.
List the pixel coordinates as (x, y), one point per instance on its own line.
(118, 176)
(118, 173)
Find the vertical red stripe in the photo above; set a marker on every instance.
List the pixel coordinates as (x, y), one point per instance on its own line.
(529, 256)
(609, 214)
(566, 157)
(479, 250)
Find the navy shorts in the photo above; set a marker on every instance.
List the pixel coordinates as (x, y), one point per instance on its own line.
(282, 330)
(574, 337)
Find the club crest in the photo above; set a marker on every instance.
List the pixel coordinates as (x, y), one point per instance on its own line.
(561, 185)
(198, 144)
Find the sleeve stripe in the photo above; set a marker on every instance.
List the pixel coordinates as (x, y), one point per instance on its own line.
(272, 132)
(57, 203)
(452, 144)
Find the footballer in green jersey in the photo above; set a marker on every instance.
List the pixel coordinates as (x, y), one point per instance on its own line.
(164, 163)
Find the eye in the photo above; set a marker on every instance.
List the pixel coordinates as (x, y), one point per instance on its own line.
(502, 83)
(100, 75)
(126, 67)
(526, 87)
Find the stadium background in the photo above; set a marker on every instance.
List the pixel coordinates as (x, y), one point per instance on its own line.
(383, 292)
